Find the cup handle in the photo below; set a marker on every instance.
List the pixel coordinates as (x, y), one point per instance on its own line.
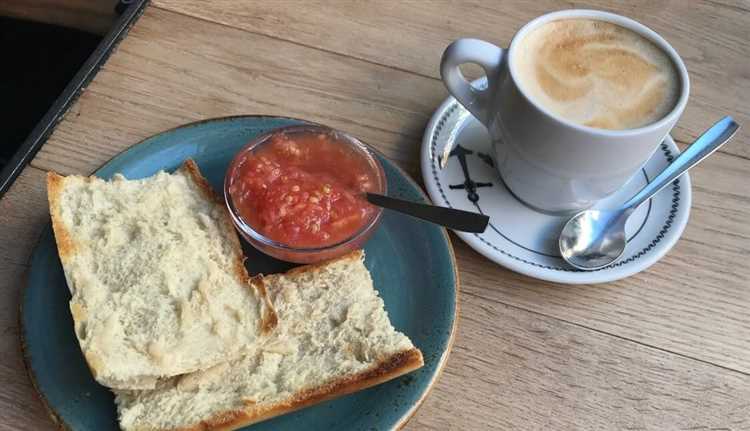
(485, 54)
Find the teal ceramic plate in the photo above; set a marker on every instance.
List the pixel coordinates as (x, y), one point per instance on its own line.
(411, 262)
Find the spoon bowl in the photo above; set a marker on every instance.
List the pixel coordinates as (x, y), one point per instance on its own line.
(593, 239)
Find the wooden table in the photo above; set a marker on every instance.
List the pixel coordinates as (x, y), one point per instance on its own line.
(668, 348)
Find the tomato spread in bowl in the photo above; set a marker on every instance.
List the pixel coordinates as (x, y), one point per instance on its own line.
(297, 193)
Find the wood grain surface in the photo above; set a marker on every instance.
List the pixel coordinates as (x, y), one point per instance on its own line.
(407, 35)
(23, 214)
(516, 370)
(668, 348)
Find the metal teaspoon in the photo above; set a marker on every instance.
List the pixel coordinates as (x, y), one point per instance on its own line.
(593, 239)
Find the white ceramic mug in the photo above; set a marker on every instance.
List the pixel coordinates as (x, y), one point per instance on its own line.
(548, 162)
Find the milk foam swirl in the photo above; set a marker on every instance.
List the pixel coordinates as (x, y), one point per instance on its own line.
(597, 74)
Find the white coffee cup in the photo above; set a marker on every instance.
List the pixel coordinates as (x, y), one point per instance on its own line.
(548, 162)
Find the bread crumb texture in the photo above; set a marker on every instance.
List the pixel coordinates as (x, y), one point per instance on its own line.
(153, 273)
(332, 327)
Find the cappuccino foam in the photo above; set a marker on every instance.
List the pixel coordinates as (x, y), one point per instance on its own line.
(597, 74)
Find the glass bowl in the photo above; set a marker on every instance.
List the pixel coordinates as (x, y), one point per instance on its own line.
(291, 253)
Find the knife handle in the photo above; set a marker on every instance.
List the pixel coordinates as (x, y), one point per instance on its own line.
(464, 221)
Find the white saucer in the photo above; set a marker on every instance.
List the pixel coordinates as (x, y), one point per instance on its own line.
(525, 240)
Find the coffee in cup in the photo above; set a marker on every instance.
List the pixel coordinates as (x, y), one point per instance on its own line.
(577, 103)
(597, 74)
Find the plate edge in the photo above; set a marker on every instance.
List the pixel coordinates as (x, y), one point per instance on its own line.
(51, 412)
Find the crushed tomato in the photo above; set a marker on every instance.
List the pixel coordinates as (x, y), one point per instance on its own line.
(304, 190)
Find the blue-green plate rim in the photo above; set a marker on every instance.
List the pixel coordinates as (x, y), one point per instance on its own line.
(58, 420)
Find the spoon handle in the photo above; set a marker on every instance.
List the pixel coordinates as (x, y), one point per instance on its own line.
(713, 138)
(451, 218)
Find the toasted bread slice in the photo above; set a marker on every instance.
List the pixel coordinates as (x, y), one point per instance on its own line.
(156, 273)
(333, 338)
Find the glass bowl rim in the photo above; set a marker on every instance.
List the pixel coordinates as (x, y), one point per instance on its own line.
(364, 149)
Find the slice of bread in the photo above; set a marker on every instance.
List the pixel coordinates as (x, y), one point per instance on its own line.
(156, 273)
(333, 338)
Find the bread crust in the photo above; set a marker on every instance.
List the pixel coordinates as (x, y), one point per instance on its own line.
(387, 369)
(66, 248)
(65, 243)
(268, 314)
(270, 318)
